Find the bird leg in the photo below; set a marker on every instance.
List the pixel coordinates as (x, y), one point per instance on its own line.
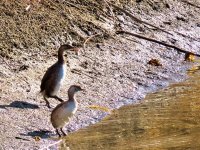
(47, 102)
(56, 97)
(63, 132)
(58, 133)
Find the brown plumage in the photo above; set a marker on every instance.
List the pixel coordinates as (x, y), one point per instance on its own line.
(54, 76)
(65, 110)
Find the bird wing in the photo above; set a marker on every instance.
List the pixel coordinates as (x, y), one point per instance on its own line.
(62, 109)
(59, 115)
(47, 76)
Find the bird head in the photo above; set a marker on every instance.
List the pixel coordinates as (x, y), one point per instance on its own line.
(74, 89)
(68, 47)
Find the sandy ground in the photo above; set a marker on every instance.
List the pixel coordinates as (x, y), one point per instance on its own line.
(114, 73)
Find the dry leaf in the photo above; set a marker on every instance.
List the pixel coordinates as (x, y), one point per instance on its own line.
(37, 138)
(100, 108)
(28, 7)
(154, 62)
(189, 57)
(193, 69)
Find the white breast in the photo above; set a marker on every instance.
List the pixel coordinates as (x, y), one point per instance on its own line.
(62, 73)
(59, 80)
(71, 107)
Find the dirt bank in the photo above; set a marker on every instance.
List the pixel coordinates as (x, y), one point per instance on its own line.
(114, 69)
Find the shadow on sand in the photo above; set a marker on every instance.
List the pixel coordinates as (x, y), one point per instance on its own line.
(41, 133)
(20, 104)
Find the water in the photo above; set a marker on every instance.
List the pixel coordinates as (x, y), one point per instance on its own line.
(166, 120)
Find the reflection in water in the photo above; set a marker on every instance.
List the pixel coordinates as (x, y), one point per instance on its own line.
(168, 119)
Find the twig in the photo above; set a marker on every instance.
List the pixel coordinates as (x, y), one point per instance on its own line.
(84, 55)
(156, 41)
(136, 19)
(6, 63)
(87, 40)
(132, 40)
(110, 9)
(50, 145)
(144, 22)
(79, 72)
(198, 40)
(71, 4)
(19, 138)
(189, 3)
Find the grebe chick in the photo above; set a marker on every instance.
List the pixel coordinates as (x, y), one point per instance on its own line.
(54, 76)
(65, 110)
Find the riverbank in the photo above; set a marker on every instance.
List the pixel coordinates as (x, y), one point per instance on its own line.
(114, 72)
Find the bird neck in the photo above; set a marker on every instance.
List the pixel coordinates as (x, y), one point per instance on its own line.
(71, 96)
(60, 56)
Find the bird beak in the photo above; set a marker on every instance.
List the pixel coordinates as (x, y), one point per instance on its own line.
(75, 49)
(83, 90)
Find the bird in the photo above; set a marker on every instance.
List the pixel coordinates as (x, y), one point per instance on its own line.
(64, 111)
(54, 76)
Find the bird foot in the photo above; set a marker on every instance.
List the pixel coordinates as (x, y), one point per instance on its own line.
(48, 105)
